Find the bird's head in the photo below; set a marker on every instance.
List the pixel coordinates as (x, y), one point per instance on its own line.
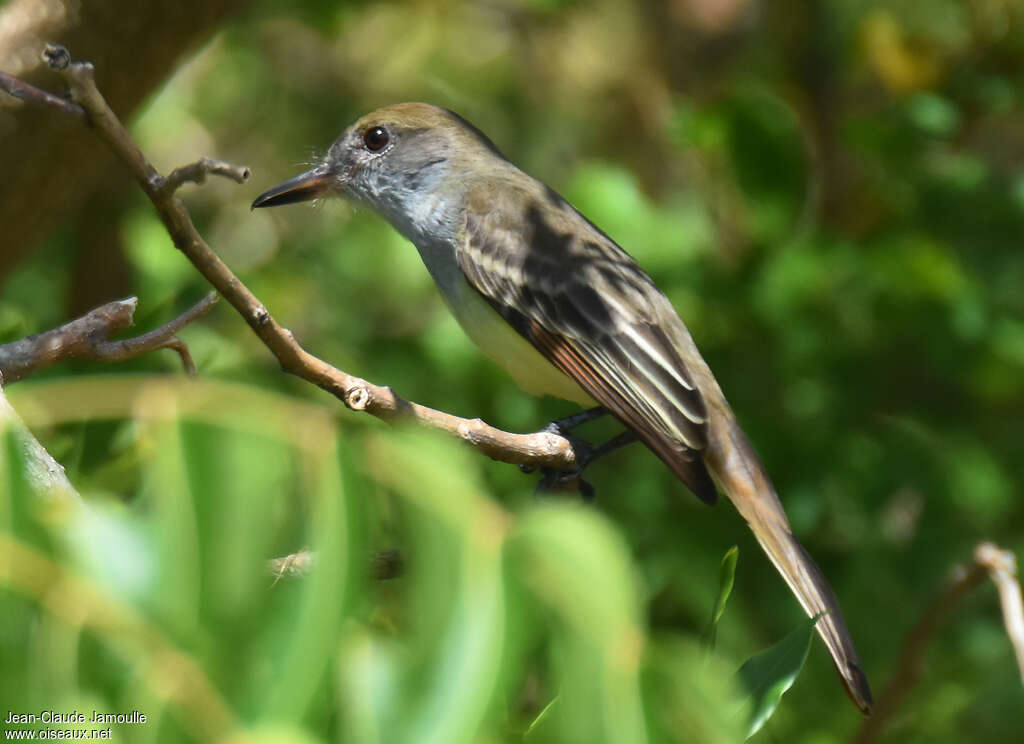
(390, 160)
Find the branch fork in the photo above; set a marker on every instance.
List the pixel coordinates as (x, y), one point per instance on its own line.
(542, 449)
(88, 337)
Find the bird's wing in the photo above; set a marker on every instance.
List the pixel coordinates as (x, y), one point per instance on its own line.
(594, 314)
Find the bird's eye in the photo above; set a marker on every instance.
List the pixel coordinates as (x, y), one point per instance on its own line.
(376, 138)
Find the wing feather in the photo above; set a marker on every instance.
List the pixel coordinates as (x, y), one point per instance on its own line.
(594, 314)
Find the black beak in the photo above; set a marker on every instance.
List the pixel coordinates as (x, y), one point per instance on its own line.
(309, 185)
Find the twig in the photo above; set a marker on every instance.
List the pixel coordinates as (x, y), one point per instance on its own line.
(1002, 569)
(541, 449)
(384, 564)
(293, 564)
(989, 560)
(88, 337)
(31, 94)
(161, 338)
(198, 171)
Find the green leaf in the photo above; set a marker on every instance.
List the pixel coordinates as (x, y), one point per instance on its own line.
(726, 578)
(768, 674)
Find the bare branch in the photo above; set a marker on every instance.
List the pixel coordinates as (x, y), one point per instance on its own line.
(81, 79)
(198, 171)
(31, 94)
(293, 564)
(384, 564)
(160, 338)
(987, 560)
(88, 337)
(541, 449)
(1002, 569)
(181, 348)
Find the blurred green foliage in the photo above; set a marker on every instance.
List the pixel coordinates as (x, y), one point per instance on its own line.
(831, 194)
(160, 600)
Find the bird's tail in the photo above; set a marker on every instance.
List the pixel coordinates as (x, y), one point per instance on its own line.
(739, 473)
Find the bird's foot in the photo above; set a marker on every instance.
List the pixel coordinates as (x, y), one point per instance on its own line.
(565, 480)
(586, 453)
(562, 480)
(563, 428)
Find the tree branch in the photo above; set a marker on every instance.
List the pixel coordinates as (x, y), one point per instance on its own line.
(88, 337)
(383, 564)
(293, 564)
(541, 449)
(31, 94)
(198, 171)
(988, 560)
(1001, 566)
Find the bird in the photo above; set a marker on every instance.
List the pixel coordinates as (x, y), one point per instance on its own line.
(568, 313)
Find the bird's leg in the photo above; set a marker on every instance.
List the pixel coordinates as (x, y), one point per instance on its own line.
(585, 454)
(617, 442)
(565, 425)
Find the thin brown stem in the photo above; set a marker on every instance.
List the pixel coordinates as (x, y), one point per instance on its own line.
(383, 564)
(541, 449)
(293, 564)
(31, 94)
(88, 337)
(198, 171)
(1001, 566)
(163, 337)
(988, 560)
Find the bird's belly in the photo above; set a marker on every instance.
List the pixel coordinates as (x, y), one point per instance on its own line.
(488, 330)
(500, 341)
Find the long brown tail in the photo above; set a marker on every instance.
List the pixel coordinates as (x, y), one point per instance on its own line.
(740, 475)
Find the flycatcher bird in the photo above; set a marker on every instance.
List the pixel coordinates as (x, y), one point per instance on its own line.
(567, 312)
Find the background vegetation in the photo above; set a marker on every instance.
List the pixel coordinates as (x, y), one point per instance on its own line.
(830, 192)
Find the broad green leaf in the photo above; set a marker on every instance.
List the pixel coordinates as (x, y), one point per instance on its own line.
(768, 674)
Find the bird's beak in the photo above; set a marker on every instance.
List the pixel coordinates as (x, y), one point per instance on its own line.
(312, 184)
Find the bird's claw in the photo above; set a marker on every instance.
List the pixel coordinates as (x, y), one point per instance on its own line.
(561, 480)
(569, 480)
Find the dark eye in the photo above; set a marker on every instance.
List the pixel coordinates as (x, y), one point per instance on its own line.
(375, 138)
